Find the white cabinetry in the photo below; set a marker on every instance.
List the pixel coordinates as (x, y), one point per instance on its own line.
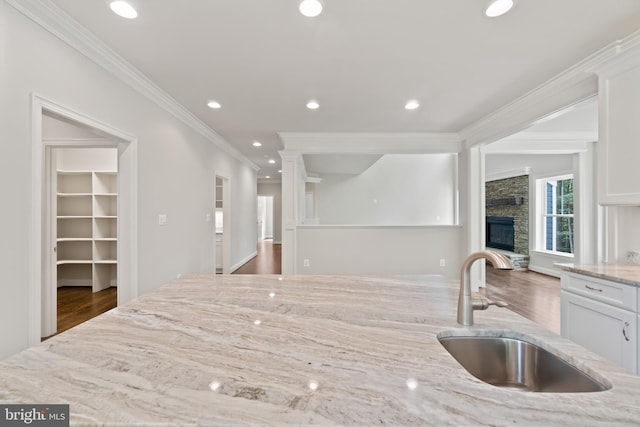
(619, 130)
(601, 315)
(86, 224)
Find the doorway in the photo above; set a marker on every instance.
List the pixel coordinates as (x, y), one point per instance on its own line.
(87, 133)
(265, 218)
(222, 223)
(84, 199)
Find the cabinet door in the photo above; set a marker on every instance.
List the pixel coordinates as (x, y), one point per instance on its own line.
(618, 148)
(606, 330)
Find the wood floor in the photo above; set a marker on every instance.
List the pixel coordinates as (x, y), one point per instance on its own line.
(77, 304)
(268, 260)
(532, 295)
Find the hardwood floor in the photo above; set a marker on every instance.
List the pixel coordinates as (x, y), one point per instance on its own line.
(532, 295)
(268, 260)
(77, 304)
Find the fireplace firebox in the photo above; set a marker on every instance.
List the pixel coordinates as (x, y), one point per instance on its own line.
(500, 233)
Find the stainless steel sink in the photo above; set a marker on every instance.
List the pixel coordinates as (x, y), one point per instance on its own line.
(517, 364)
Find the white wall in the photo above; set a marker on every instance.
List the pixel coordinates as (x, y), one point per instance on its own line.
(399, 189)
(176, 169)
(274, 190)
(379, 250)
(624, 231)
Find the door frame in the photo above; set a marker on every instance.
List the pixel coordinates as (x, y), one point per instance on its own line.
(42, 308)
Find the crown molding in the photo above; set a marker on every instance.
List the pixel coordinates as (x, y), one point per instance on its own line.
(573, 85)
(508, 174)
(371, 143)
(57, 22)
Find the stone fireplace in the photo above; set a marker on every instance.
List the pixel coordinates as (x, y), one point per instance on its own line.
(507, 211)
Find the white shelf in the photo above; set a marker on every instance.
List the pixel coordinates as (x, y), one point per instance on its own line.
(75, 261)
(87, 228)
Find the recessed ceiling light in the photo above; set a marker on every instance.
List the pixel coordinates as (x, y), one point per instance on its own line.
(257, 144)
(412, 105)
(272, 161)
(268, 177)
(124, 9)
(313, 105)
(279, 170)
(310, 8)
(498, 7)
(214, 104)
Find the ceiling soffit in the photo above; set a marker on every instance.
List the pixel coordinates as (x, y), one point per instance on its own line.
(372, 143)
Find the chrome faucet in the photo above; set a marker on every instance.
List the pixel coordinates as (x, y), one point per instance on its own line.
(466, 302)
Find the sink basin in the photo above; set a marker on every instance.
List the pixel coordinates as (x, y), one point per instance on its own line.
(519, 365)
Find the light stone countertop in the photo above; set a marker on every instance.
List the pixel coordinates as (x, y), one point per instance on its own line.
(321, 350)
(623, 273)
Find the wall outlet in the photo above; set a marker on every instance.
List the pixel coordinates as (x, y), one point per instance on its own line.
(306, 262)
(162, 219)
(442, 262)
(207, 217)
(633, 257)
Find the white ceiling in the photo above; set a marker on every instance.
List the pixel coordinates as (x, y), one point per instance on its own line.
(361, 59)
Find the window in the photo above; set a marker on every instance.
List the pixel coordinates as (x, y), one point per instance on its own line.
(557, 214)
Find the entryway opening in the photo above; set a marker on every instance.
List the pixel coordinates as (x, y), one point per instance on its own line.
(265, 218)
(222, 221)
(84, 189)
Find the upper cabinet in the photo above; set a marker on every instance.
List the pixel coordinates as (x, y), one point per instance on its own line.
(619, 129)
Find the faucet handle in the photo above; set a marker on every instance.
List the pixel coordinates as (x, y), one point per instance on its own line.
(482, 303)
(500, 304)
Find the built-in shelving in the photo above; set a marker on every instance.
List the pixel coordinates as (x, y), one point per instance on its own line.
(87, 215)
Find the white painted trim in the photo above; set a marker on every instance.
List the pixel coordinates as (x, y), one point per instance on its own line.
(244, 261)
(537, 147)
(53, 19)
(508, 174)
(127, 212)
(374, 143)
(543, 270)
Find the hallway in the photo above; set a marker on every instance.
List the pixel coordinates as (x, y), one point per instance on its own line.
(268, 260)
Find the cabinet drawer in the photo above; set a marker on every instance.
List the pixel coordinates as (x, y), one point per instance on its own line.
(614, 293)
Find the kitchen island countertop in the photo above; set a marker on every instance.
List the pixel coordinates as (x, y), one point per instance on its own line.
(321, 350)
(623, 273)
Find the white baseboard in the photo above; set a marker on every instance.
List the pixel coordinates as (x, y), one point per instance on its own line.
(543, 270)
(244, 261)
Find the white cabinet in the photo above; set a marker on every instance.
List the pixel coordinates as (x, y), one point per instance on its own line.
(619, 130)
(86, 224)
(601, 315)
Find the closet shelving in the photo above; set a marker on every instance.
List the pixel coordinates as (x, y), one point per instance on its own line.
(87, 216)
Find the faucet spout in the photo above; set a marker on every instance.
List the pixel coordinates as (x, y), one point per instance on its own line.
(466, 305)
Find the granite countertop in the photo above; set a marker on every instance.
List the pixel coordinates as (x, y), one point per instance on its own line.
(321, 350)
(623, 273)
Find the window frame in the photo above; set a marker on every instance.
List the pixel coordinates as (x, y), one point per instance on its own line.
(542, 216)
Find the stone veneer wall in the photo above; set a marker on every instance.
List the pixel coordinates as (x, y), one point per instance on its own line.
(510, 188)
